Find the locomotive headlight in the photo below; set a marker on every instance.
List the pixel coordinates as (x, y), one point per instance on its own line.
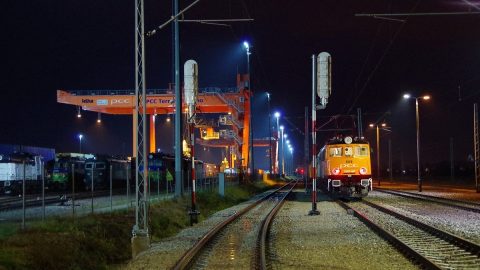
(336, 171)
(363, 171)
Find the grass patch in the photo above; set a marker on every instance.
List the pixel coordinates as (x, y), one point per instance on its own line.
(102, 240)
(7, 230)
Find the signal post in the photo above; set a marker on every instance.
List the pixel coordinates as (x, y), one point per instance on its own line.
(190, 92)
(321, 82)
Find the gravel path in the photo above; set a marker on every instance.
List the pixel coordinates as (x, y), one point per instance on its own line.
(332, 240)
(459, 222)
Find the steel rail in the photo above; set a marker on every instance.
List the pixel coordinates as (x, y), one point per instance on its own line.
(450, 238)
(261, 258)
(187, 258)
(397, 243)
(17, 204)
(438, 200)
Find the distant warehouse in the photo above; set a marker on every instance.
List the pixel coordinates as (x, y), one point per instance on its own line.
(46, 153)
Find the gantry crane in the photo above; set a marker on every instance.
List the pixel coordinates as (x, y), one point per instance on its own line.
(234, 102)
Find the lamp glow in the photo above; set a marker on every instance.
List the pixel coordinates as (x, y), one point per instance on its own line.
(406, 96)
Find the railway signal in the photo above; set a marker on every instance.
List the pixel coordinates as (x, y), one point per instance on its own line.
(190, 70)
(321, 83)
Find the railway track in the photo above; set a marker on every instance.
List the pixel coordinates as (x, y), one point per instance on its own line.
(16, 204)
(430, 247)
(468, 206)
(241, 240)
(13, 203)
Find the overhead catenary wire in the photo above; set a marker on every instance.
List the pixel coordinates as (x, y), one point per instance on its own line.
(473, 5)
(154, 31)
(386, 15)
(355, 85)
(293, 125)
(370, 76)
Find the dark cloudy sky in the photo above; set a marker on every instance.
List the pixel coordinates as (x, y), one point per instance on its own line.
(50, 45)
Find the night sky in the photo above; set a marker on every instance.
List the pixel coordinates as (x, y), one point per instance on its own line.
(50, 45)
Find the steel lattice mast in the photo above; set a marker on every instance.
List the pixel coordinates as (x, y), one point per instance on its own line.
(140, 228)
(178, 110)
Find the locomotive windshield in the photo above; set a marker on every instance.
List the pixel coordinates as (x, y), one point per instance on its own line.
(361, 151)
(356, 151)
(335, 151)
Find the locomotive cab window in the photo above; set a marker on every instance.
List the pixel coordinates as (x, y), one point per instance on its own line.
(335, 151)
(348, 151)
(361, 151)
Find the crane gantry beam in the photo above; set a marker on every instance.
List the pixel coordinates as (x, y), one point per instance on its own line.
(122, 102)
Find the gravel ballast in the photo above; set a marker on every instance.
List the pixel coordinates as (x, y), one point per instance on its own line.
(332, 240)
(459, 222)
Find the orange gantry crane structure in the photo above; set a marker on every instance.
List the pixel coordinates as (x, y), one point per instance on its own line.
(233, 102)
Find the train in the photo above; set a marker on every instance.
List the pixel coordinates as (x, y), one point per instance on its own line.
(102, 171)
(59, 171)
(16, 167)
(344, 167)
(161, 166)
(85, 172)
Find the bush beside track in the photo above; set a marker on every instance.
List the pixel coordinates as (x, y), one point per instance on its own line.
(102, 241)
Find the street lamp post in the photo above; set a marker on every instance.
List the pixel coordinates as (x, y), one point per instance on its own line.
(288, 161)
(80, 137)
(251, 159)
(417, 117)
(281, 135)
(270, 130)
(277, 116)
(378, 148)
(284, 136)
(292, 168)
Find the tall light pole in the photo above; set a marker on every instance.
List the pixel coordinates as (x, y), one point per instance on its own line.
(292, 169)
(378, 149)
(284, 137)
(80, 137)
(270, 131)
(281, 135)
(251, 159)
(417, 117)
(277, 116)
(288, 165)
